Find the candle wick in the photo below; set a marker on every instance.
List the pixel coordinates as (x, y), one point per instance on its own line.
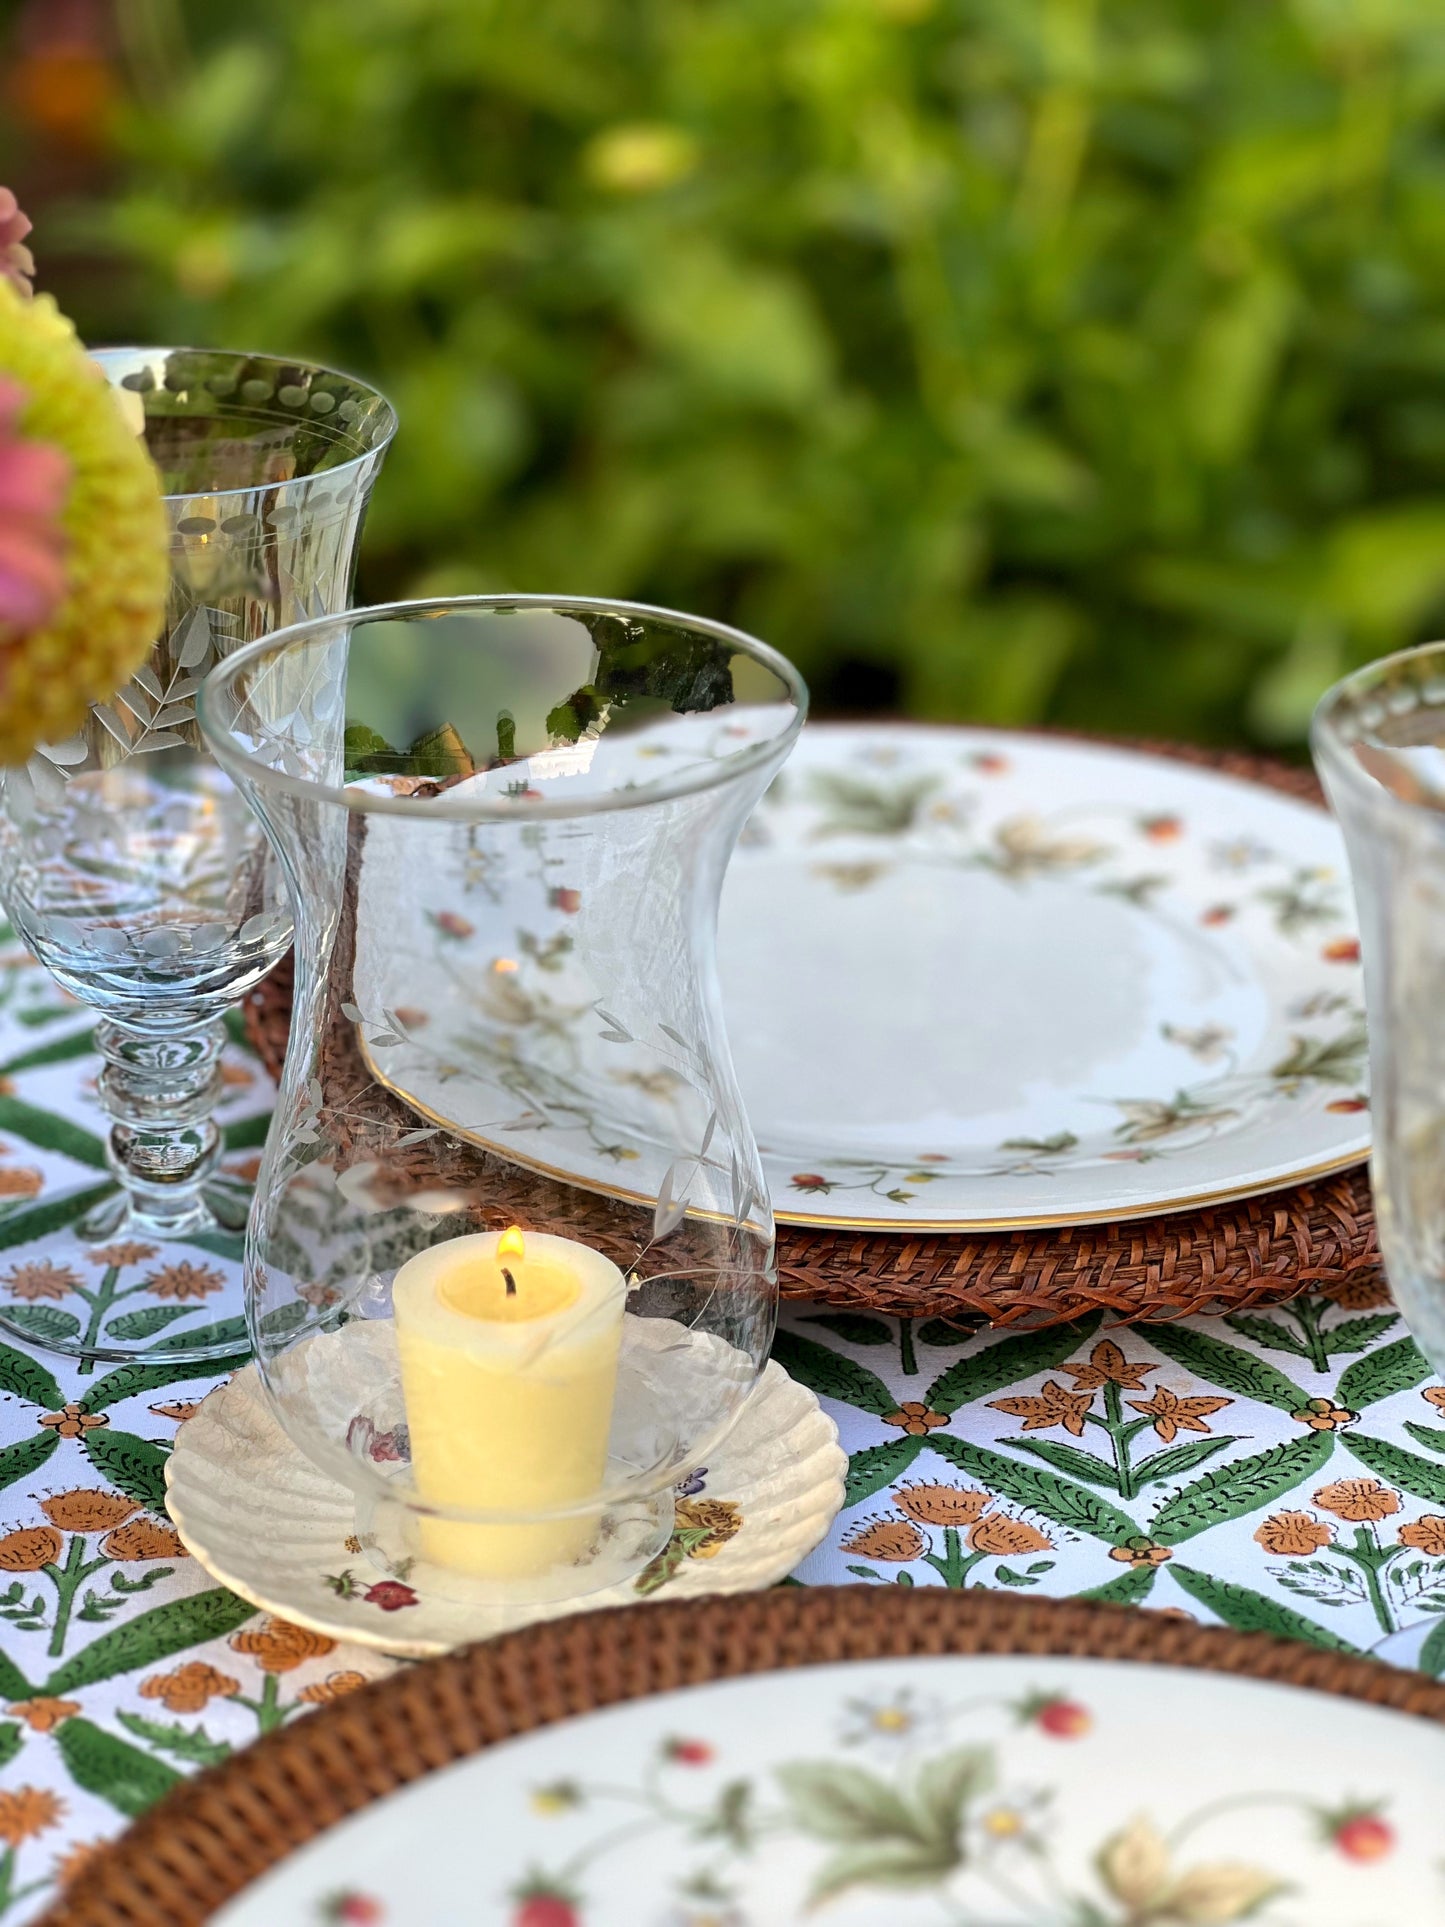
(511, 1282)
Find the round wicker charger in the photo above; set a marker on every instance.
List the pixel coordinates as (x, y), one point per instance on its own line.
(1225, 1258)
(210, 1838)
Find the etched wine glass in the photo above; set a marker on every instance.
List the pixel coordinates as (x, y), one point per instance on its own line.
(129, 865)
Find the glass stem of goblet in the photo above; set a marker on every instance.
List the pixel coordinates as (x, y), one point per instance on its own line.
(160, 1090)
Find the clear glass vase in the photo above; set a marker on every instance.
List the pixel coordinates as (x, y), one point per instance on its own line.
(510, 1268)
(1379, 745)
(128, 863)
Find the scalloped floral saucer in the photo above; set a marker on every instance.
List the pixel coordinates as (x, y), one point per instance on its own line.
(261, 1518)
(1001, 1791)
(974, 981)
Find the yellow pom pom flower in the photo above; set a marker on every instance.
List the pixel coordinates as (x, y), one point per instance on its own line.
(113, 541)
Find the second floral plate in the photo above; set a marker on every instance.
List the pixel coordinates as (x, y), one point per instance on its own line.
(1005, 1790)
(975, 981)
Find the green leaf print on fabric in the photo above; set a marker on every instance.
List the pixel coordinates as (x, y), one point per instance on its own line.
(51, 1132)
(1251, 1612)
(145, 1324)
(127, 1380)
(135, 1466)
(46, 1324)
(1243, 1486)
(27, 1378)
(40, 1220)
(151, 1636)
(13, 1683)
(194, 1746)
(1129, 1589)
(878, 1465)
(1430, 1436)
(1070, 1459)
(1432, 1654)
(1396, 1466)
(21, 1460)
(1006, 1363)
(831, 1375)
(853, 1328)
(112, 1768)
(1394, 1368)
(1355, 1334)
(1074, 1506)
(1224, 1365)
(60, 1050)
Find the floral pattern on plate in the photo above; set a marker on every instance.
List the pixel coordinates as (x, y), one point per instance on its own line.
(1016, 1791)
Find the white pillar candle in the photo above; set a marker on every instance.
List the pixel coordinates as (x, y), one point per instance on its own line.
(509, 1351)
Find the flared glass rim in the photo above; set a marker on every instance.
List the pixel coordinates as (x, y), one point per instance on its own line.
(387, 423)
(1330, 742)
(244, 765)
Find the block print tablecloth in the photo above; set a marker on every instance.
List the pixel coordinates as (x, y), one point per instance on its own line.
(1284, 1470)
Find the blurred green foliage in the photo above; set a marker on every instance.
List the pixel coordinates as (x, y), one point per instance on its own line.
(1006, 359)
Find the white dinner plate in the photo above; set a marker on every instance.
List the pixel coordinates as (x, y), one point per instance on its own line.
(1000, 1791)
(974, 981)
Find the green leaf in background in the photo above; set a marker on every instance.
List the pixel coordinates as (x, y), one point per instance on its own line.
(1006, 1362)
(1432, 1654)
(876, 1466)
(1251, 1612)
(27, 1378)
(112, 1768)
(144, 1324)
(1396, 1466)
(1242, 1486)
(46, 1324)
(852, 1328)
(1394, 1368)
(151, 1636)
(831, 1375)
(712, 346)
(1131, 1588)
(135, 1466)
(26, 1456)
(1058, 1499)
(40, 1220)
(191, 1745)
(1224, 1365)
(51, 1131)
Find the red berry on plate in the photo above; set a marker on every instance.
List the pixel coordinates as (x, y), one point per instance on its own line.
(1064, 1719)
(546, 1910)
(688, 1752)
(1364, 1836)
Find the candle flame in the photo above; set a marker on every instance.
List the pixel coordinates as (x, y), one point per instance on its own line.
(512, 1244)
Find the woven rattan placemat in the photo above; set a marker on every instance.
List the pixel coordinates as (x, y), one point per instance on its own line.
(209, 1839)
(1227, 1258)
